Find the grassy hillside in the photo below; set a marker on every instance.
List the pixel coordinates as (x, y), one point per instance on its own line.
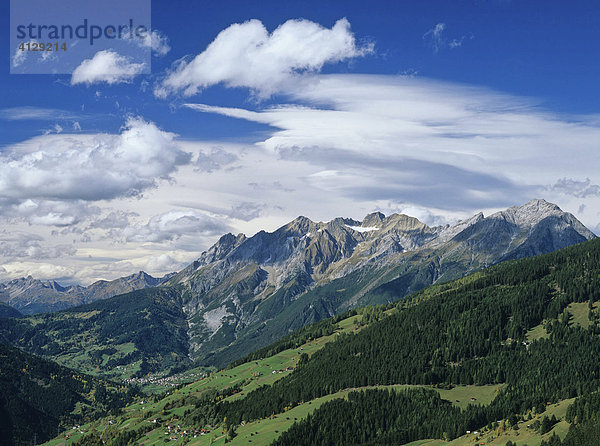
(131, 335)
(460, 337)
(136, 422)
(38, 397)
(229, 384)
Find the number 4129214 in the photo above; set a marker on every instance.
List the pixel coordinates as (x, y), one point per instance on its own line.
(35, 46)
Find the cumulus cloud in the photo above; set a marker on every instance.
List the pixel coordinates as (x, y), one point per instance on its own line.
(247, 55)
(173, 225)
(47, 212)
(19, 245)
(38, 270)
(106, 66)
(164, 263)
(576, 188)
(90, 167)
(113, 220)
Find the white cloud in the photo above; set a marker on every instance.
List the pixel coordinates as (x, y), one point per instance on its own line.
(246, 55)
(38, 270)
(215, 159)
(90, 167)
(343, 145)
(164, 263)
(47, 212)
(114, 220)
(20, 56)
(106, 66)
(576, 188)
(154, 40)
(154, 264)
(158, 42)
(455, 43)
(58, 128)
(428, 143)
(18, 245)
(26, 113)
(174, 224)
(435, 38)
(247, 210)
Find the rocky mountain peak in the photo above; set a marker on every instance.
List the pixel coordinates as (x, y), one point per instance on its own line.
(56, 286)
(300, 225)
(304, 270)
(404, 222)
(373, 220)
(449, 231)
(141, 275)
(530, 213)
(31, 296)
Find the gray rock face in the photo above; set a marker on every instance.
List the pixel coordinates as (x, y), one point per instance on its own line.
(31, 296)
(244, 292)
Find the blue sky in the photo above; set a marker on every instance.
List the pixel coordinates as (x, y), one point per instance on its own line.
(494, 102)
(540, 49)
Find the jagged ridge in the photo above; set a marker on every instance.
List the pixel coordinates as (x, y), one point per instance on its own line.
(245, 292)
(31, 296)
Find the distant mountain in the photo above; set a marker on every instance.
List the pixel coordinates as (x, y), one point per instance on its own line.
(247, 292)
(476, 330)
(8, 311)
(507, 355)
(31, 296)
(38, 397)
(244, 293)
(130, 335)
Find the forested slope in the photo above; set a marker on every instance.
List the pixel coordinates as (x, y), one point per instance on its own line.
(472, 331)
(38, 397)
(529, 327)
(133, 334)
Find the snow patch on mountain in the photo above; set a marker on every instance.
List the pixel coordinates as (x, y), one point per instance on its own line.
(361, 229)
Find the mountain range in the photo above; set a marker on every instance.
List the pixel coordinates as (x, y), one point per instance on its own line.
(244, 293)
(504, 356)
(31, 296)
(247, 292)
